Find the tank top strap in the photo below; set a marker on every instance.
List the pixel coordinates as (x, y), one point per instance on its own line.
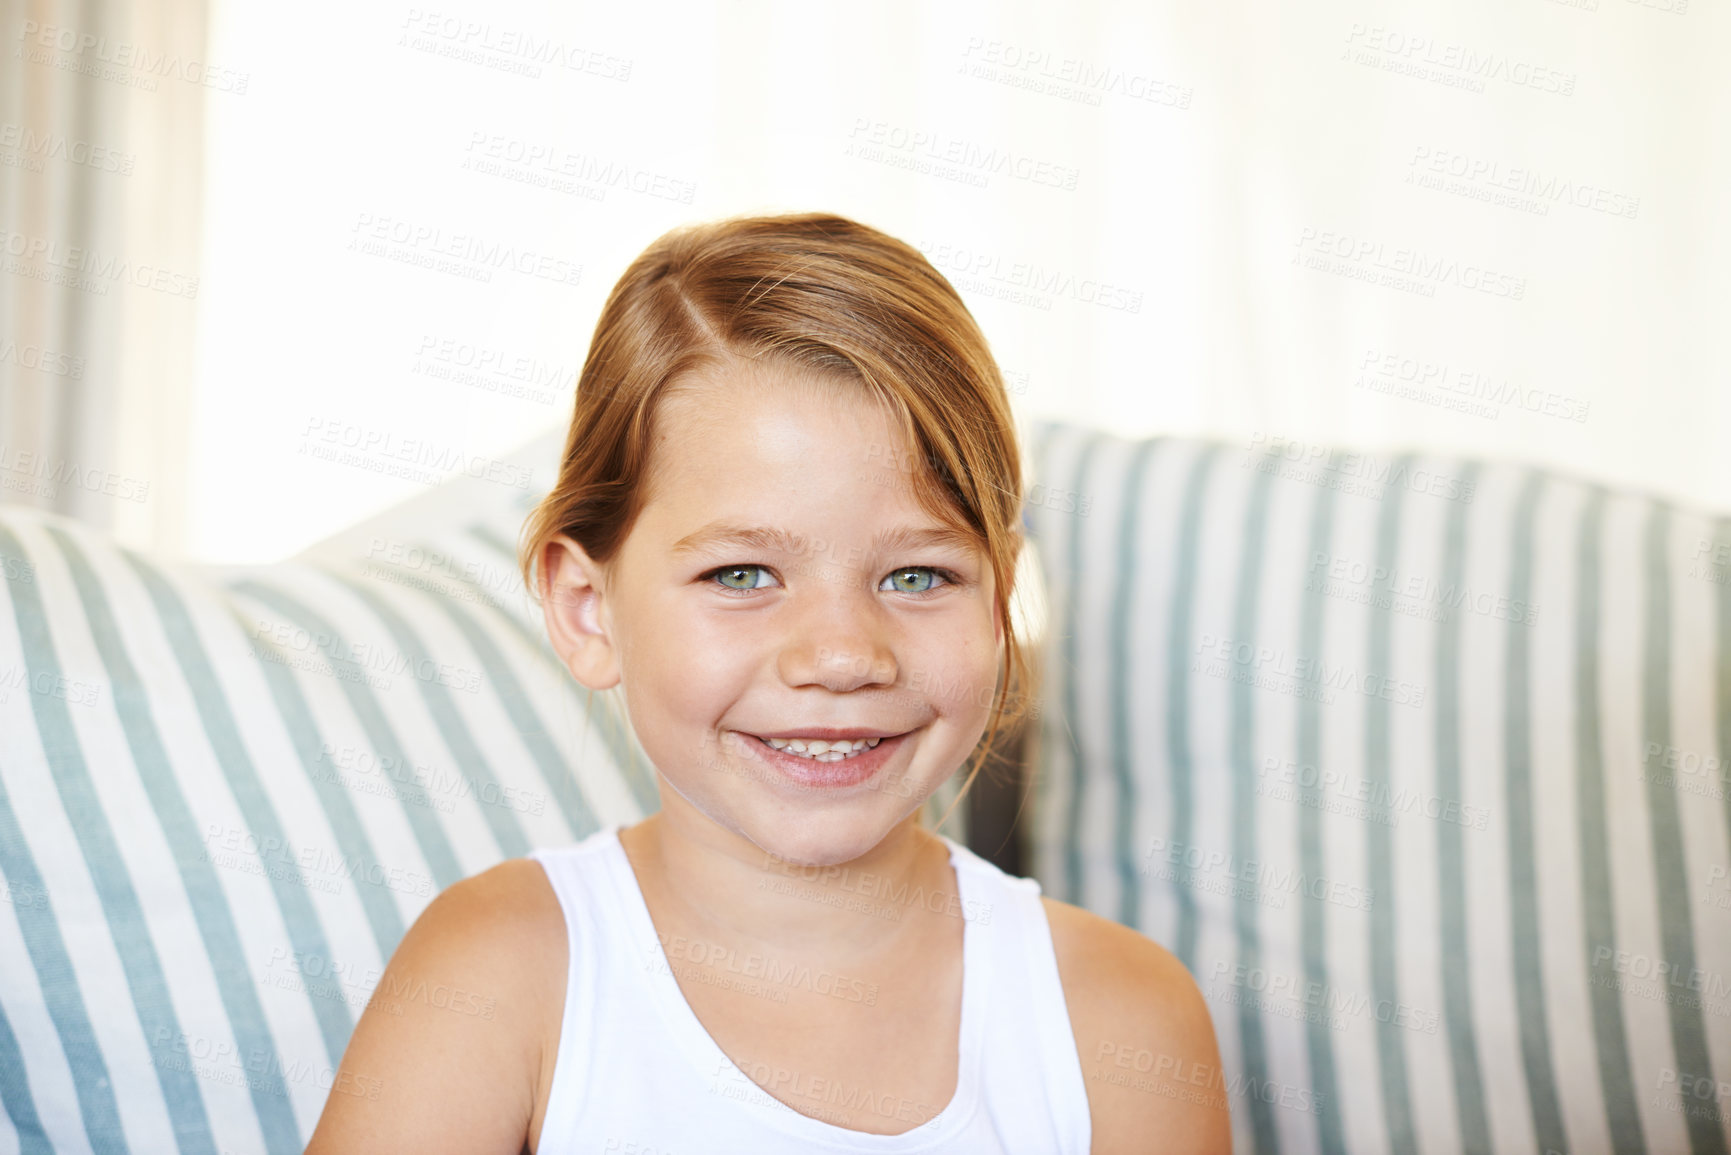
(576, 872)
(1020, 951)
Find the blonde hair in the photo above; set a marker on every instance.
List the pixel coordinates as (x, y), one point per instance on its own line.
(820, 292)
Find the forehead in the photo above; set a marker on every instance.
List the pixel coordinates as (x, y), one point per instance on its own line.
(768, 418)
(781, 444)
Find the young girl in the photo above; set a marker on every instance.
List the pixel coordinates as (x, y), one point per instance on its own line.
(786, 526)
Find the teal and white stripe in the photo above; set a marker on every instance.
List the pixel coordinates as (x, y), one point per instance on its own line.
(1490, 987)
(164, 731)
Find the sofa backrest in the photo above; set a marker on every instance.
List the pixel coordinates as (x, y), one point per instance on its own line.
(1418, 765)
(224, 796)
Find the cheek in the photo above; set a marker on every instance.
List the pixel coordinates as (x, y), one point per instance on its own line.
(674, 695)
(683, 666)
(957, 672)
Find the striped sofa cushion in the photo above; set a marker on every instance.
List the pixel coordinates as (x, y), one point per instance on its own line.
(1418, 765)
(226, 793)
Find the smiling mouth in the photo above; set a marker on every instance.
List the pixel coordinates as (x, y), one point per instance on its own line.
(820, 750)
(831, 762)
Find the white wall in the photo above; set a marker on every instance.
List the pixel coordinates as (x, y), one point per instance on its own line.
(1199, 157)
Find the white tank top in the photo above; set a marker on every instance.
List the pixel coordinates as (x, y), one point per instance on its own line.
(638, 1074)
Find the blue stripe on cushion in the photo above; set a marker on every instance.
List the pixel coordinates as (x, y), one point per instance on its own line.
(41, 931)
(1180, 618)
(1616, 1078)
(14, 1077)
(383, 917)
(306, 936)
(1688, 1030)
(1379, 849)
(1313, 916)
(1247, 900)
(1122, 752)
(1451, 861)
(1523, 870)
(216, 925)
(501, 820)
(120, 905)
(434, 843)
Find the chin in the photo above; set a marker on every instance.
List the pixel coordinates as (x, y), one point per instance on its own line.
(804, 838)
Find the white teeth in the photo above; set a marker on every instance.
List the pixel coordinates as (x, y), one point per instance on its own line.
(819, 750)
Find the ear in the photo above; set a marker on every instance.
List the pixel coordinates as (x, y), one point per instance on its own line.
(579, 623)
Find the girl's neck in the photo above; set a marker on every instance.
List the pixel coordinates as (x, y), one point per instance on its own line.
(705, 881)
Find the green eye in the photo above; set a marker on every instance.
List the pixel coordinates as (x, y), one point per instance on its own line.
(915, 579)
(740, 577)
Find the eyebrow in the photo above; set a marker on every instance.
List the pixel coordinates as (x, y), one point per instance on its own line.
(718, 534)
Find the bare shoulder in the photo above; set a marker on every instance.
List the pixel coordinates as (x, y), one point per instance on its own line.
(453, 1050)
(1144, 1036)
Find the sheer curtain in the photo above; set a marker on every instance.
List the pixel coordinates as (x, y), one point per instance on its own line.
(1488, 229)
(101, 126)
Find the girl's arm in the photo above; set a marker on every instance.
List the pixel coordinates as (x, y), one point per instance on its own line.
(1145, 1039)
(453, 1051)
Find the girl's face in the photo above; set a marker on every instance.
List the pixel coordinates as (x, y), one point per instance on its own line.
(783, 582)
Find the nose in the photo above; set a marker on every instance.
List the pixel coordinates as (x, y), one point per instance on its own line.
(840, 645)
